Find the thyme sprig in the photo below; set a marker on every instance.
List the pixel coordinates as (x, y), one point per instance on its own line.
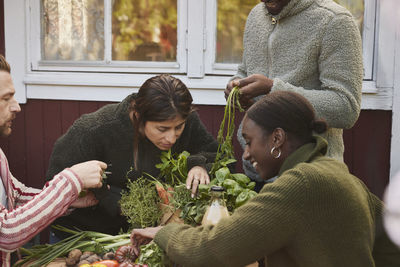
(139, 203)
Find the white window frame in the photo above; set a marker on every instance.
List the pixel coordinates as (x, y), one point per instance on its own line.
(369, 38)
(197, 33)
(107, 64)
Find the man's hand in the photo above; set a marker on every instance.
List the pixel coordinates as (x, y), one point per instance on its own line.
(141, 237)
(197, 175)
(250, 87)
(87, 200)
(230, 86)
(90, 173)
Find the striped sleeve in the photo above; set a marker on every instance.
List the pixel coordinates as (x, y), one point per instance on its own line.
(23, 194)
(36, 210)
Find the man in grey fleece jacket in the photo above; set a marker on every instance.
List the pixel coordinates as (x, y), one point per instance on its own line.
(312, 47)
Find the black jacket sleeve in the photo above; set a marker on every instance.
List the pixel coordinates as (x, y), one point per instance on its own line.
(77, 145)
(202, 146)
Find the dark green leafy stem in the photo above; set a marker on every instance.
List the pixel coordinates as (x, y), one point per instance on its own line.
(225, 154)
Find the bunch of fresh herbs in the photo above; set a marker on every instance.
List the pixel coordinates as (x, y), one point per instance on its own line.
(140, 203)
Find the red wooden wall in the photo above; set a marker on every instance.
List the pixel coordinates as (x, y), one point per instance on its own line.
(41, 122)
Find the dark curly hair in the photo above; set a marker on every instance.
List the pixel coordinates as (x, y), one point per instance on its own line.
(160, 98)
(287, 110)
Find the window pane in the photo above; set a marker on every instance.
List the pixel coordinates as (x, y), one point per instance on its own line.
(231, 19)
(356, 7)
(144, 30)
(72, 29)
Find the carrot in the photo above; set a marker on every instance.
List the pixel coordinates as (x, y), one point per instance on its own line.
(162, 193)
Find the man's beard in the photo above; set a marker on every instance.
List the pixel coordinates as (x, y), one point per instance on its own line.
(5, 131)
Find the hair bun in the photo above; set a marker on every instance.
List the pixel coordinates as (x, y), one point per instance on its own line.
(319, 126)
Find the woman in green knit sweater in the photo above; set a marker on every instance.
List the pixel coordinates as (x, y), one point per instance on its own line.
(315, 214)
(311, 47)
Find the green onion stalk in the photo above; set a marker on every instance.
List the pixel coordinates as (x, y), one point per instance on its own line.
(83, 240)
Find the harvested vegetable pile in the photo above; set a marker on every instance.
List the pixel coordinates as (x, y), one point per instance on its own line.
(146, 201)
(79, 244)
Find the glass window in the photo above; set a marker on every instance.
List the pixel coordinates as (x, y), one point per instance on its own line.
(356, 7)
(144, 30)
(231, 19)
(72, 30)
(164, 36)
(141, 30)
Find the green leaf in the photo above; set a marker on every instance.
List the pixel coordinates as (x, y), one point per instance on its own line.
(225, 163)
(229, 184)
(251, 185)
(242, 198)
(159, 165)
(236, 190)
(203, 188)
(222, 174)
(241, 178)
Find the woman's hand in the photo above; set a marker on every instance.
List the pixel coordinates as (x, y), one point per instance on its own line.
(141, 237)
(87, 200)
(250, 87)
(197, 175)
(90, 173)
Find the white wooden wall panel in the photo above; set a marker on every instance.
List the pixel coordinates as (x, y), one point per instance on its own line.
(15, 46)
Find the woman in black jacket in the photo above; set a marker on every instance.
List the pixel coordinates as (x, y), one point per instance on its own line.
(131, 135)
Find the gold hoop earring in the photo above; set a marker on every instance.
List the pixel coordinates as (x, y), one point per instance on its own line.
(273, 150)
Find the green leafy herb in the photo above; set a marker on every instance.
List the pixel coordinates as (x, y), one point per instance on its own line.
(140, 203)
(173, 167)
(152, 255)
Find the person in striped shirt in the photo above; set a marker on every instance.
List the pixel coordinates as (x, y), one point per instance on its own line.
(25, 211)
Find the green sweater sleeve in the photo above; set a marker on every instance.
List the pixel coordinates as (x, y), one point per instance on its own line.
(242, 238)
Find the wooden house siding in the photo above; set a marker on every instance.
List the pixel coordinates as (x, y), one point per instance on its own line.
(41, 122)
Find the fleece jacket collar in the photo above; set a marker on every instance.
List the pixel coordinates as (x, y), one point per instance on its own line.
(122, 110)
(292, 8)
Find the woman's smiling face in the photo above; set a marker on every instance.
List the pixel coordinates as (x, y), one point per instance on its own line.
(257, 150)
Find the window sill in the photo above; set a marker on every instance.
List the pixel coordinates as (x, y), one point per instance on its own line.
(116, 86)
